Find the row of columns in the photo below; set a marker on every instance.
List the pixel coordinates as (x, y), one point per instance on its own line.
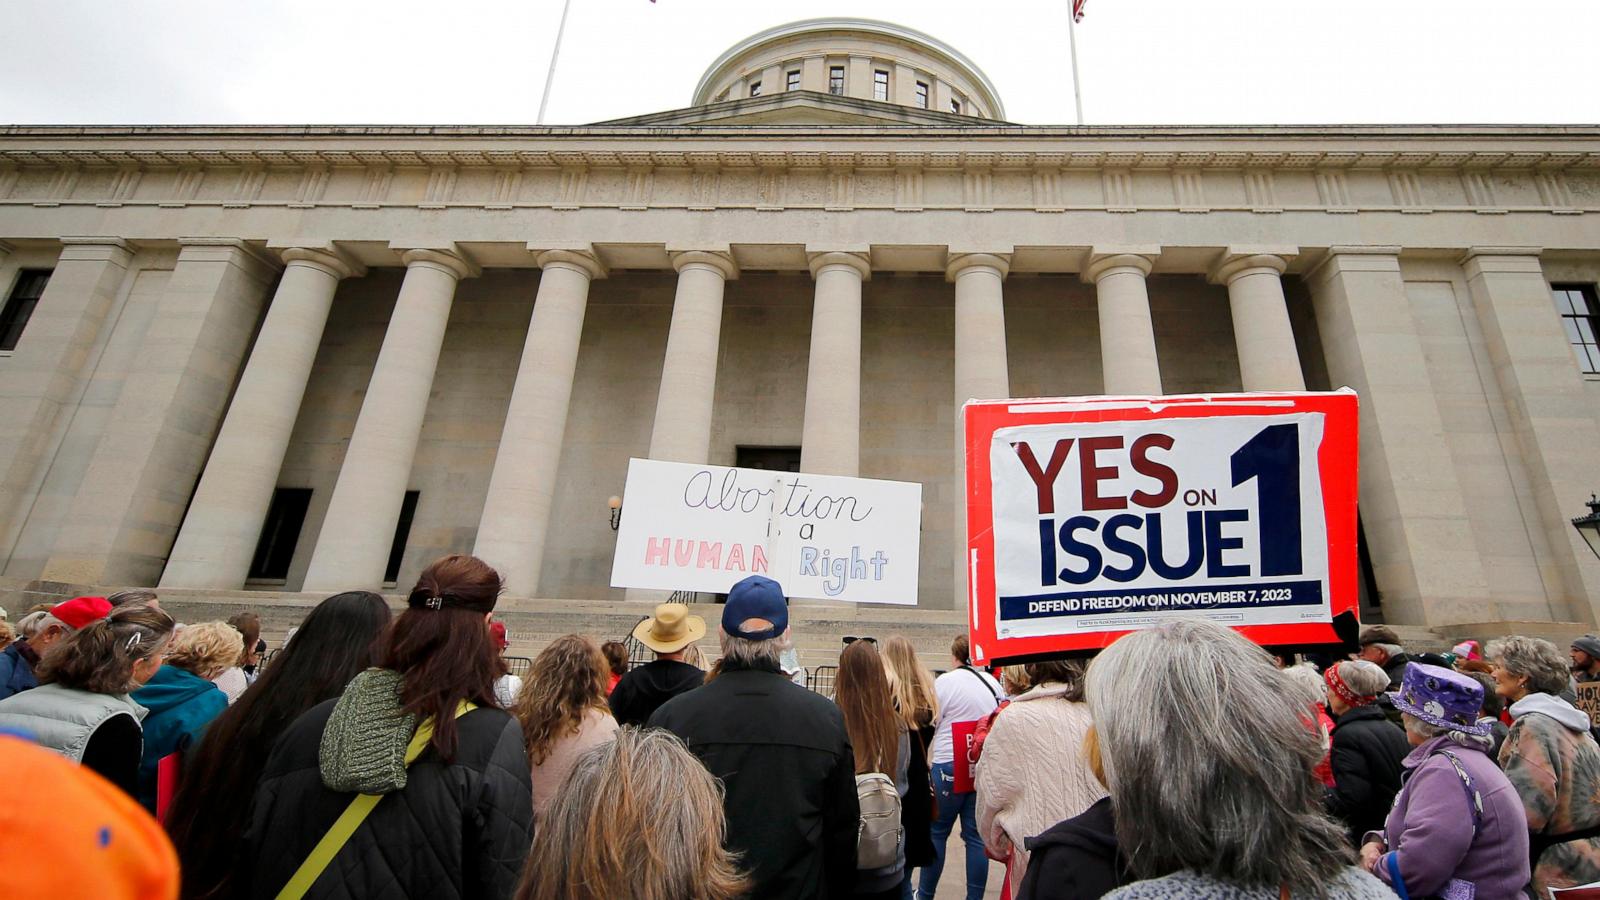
(230, 505)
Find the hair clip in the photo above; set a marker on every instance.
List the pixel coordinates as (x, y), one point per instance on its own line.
(434, 603)
(133, 641)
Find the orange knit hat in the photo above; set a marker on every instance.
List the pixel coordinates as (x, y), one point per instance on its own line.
(70, 833)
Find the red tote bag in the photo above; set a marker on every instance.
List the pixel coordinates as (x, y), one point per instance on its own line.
(963, 736)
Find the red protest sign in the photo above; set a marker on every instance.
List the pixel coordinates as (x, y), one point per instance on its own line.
(1088, 518)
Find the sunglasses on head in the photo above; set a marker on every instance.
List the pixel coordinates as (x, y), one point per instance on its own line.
(851, 639)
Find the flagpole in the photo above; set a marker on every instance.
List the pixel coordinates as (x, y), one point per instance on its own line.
(1072, 41)
(550, 76)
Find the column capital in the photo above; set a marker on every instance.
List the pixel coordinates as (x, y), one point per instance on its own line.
(860, 262)
(1350, 258)
(103, 249)
(584, 261)
(1103, 261)
(717, 260)
(329, 259)
(960, 262)
(215, 249)
(1501, 260)
(1237, 261)
(449, 261)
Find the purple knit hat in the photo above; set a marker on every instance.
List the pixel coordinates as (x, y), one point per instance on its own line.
(1441, 697)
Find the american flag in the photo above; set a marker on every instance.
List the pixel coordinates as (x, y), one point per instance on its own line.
(1077, 9)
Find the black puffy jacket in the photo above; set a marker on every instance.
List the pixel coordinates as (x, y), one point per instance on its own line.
(456, 831)
(1366, 754)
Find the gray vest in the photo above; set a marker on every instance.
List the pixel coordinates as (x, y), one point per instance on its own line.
(63, 719)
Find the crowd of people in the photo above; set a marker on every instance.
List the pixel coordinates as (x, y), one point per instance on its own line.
(395, 756)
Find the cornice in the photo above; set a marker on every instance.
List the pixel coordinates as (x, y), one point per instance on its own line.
(880, 157)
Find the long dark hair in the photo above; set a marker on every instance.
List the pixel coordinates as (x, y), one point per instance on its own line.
(212, 808)
(440, 645)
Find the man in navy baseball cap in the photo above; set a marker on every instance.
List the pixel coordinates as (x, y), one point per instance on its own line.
(781, 751)
(756, 598)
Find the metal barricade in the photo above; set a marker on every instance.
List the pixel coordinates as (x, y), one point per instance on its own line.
(819, 679)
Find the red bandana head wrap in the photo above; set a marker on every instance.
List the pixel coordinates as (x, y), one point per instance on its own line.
(1342, 690)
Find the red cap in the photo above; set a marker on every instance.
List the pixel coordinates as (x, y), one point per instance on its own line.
(497, 630)
(80, 611)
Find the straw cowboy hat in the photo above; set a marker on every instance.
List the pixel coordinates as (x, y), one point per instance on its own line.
(671, 629)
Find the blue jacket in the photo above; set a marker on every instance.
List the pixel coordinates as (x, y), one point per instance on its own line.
(181, 705)
(16, 672)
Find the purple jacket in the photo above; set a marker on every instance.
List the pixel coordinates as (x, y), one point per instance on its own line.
(1431, 826)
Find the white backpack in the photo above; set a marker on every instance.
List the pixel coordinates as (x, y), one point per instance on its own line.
(878, 839)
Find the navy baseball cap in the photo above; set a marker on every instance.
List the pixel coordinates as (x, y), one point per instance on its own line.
(756, 597)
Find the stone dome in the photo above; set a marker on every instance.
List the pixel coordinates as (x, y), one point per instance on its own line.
(859, 58)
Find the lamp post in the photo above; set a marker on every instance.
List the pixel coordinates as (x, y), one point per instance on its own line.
(615, 504)
(1589, 526)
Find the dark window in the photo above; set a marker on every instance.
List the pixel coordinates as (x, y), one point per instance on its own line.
(279, 534)
(19, 307)
(955, 107)
(880, 85)
(402, 531)
(793, 82)
(775, 459)
(1580, 314)
(922, 94)
(836, 80)
(755, 88)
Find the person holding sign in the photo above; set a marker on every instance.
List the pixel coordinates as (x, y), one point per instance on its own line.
(782, 753)
(1586, 659)
(965, 696)
(1366, 747)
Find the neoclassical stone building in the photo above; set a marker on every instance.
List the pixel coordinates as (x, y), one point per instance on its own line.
(312, 358)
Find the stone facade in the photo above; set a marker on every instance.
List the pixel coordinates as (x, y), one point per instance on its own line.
(498, 318)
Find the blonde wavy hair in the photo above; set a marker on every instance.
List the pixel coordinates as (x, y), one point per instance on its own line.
(568, 679)
(207, 649)
(912, 685)
(638, 817)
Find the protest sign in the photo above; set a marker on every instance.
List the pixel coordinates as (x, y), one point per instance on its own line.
(703, 528)
(1589, 700)
(1088, 518)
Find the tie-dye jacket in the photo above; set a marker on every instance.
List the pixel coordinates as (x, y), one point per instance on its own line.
(1554, 764)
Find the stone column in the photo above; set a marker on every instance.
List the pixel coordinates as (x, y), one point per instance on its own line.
(682, 428)
(230, 505)
(1549, 408)
(46, 372)
(130, 499)
(1127, 336)
(1268, 359)
(353, 546)
(516, 515)
(1418, 528)
(830, 442)
(981, 371)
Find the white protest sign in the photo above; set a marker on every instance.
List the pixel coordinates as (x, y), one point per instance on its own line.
(703, 528)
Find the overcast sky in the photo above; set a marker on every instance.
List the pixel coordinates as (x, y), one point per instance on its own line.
(484, 61)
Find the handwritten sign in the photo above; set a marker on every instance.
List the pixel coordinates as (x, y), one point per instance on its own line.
(702, 528)
(1092, 517)
(1589, 700)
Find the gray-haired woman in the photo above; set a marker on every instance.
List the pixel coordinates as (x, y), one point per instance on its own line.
(1209, 762)
(1551, 760)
